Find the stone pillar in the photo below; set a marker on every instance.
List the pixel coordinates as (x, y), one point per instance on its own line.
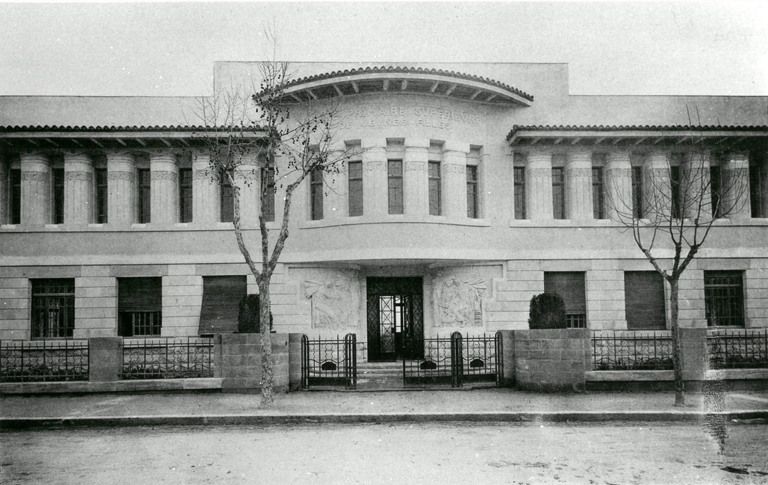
(693, 350)
(205, 192)
(538, 185)
(336, 201)
(105, 359)
(78, 189)
(416, 197)
(578, 186)
(618, 186)
(696, 183)
(4, 189)
(375, 189)
(736, 175)
(294, 361)
(508, 357)
(455, 178)
(247, 180)
(164, 197)
(121, 177)
(656, 187)
(35, 189)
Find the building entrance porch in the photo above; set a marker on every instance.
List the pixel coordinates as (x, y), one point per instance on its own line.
(395, 315)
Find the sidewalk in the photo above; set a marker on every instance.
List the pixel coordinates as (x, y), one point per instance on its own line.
(22, 412)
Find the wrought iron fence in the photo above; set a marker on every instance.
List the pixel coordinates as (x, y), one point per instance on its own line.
(43, 360)
(329, 362)
(167, 358)
(482, 358)
(618, 350)
(437, 363)
(738, 349)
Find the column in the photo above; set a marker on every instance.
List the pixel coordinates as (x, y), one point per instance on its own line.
(205, 191)
(335, 179)
(538, 185)
(455, 178)
(416, 183)
(247, 180)
(78, 188)
(657, 190)
(4, 189)
(737, 204)
(35, 189)
(165, 188)
(121, 175)
(578, 186)
(375, 193)
(618, 188)
(695, 181)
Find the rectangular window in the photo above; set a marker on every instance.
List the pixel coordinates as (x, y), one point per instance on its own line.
(53, 308)
(473, 211)
(316, 193)
(644, 301)
(58, 196)
(355, 189)
(185, 194)
(269, 201)
(724, 298)
(637, 193)
(15, 197)
(145, 194)
(715, 185)
(221, 303)
(598, 212)
(570, 286)
(435, 195)
(558, 193)
(757, 192)
(674, 182)
(102, 195)
(227, 195)
(139, 306)
(519, 176)
(395, 186)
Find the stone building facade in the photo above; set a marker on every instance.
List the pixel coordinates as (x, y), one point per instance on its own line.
(468, 197)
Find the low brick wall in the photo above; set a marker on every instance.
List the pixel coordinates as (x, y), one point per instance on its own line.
(553, 360)
(238, 362)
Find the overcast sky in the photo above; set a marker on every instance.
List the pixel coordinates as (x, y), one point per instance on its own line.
(168, 49)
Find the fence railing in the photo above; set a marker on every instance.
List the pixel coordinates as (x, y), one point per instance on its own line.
(618, 350)
(329, 362)
(482, 357)
(167, 358)
(738, 349)
(43, 360)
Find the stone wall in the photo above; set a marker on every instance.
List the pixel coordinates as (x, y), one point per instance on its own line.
(237, 361)
(551, 360)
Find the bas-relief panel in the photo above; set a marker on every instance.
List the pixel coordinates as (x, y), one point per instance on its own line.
(334, 297)
(458, 295)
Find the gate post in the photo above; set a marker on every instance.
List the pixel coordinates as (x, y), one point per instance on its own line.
(304, 362)
(457, 360)
(350, 361)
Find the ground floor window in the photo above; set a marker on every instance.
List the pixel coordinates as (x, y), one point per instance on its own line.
(53, 308)
(644, 300)
(724, 298)
(221, 303)
(139, 306)
(570, 286)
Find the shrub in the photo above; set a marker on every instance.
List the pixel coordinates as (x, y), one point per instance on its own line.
(547, 311)
(248, 317)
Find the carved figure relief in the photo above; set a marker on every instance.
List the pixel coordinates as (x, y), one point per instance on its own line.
(333, 302)
(459, 300)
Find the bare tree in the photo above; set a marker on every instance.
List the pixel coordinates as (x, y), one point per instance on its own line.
(290, 140)
(683, 194)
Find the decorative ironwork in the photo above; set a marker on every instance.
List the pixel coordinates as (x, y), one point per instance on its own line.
(43, 360)
(651, 350)
(395, 314)
(482, 357)
(738, 349)
(435, 364)
(167, 358)
(329, 362)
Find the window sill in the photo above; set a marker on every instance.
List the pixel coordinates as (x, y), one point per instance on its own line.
(394, 219)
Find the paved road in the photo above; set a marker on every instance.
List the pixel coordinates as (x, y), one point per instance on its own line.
(387, 453)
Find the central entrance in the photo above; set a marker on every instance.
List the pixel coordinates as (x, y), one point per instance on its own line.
(395, 317)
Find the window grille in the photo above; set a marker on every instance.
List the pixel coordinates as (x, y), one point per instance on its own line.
(558, 193)
(316, 189)
(598, 211)
(102, 195)
(575, 320)
(473, 211)
(355, 189)
(58, 195)
(269, 201)
(227, 195)
(185, 194)
(15, 196)
(519, 176)
(139, 306)
(637, 193)
(145, 195)
(724, 298)
(53, 308)
(435, 196)
(395, 186)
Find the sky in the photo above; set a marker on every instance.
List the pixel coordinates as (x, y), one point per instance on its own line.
(168, 49)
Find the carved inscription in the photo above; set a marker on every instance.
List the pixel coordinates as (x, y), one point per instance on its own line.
(377, 116)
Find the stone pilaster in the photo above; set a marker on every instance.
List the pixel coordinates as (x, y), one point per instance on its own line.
(205, 192)
(375, 177)
(697, 184)
(538, 185)
(618, 186)
(35, 189)
(78, 189)
(247, 180)
(121, 176)
(416, 176)
(4, 188)
(736, 175)
(657, 190)
(164, 191)
(578, 186)
(455, 178)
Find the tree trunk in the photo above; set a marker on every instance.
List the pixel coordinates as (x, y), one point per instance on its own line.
(676, 354)
(267, 393)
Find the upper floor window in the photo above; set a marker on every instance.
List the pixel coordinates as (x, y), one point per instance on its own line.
(53, 308)
(227, 195)
(102, 195)
(758, 191)
(675, 181)
(139, 306)
(185, 195)
(395, 186)
(355, 189)
(519, 180)
(724, 298)
(58, 196)
(316, 193)
(558, 192)
(435, 195)
(715, 185)
(637, 193)
(268, 174)
(14, 196)
(598, 195)
(145, 194)
(473, 211)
